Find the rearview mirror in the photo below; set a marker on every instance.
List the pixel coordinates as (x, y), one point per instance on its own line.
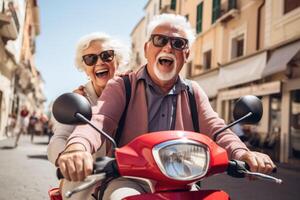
(67, 105)
(245, 105)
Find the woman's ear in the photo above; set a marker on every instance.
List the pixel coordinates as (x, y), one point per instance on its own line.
(86, 73)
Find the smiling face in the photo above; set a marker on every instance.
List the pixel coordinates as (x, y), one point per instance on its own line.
(100, 72)
(165, 62)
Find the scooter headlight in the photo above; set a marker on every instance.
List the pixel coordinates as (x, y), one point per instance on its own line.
(182, 159)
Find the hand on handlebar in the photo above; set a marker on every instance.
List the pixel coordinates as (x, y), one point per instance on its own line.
(75, 163)
(258, 162)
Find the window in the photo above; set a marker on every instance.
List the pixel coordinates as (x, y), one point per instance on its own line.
(290, 5)
(14, 14)
(232, 4)
(187, 17)
(173, 5)
(207, 60)
(199, 17)
(159, 4)
(0, 104)
(237, 47)
(216, 10)
(189, 69)
(295, 124)
(35, 4)
(137, 59)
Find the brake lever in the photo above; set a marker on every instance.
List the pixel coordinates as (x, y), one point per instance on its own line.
(240, 169)
(88, 182)
(263, 176)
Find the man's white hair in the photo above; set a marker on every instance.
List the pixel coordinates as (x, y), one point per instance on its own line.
(108, 43)
(177, 21)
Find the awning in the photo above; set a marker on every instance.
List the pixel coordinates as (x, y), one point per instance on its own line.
(209, 83)
(243, 71)
(280, 57)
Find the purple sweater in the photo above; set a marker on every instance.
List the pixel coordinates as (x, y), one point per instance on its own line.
(109, 108)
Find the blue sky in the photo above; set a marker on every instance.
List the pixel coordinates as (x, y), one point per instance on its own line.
(63, 22)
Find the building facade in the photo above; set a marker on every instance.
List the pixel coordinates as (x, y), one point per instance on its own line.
(248, 48)
(21, 83)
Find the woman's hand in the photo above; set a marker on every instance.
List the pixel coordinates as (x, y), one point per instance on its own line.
(75, 163)
(80, 90)
(258, 162)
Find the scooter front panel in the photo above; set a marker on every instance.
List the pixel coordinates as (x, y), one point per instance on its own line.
(187, 195)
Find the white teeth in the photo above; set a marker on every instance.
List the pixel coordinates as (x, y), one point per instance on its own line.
(102, 71)
(166, 58)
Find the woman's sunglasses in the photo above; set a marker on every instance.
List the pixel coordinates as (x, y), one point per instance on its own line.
(105, 56)
(176, 42)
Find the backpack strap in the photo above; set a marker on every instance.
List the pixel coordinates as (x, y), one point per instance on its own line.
(122, 120)
(194, 113)
(193, 106)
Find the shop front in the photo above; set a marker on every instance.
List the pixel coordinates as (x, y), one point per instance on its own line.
(290, 134)
(265, 135)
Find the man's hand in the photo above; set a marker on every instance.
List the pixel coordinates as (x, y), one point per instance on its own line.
(258, 162)
(75, 163)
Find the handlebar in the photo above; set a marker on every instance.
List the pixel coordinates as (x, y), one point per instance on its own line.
(105, 165)
(103, 168)
(240, 169)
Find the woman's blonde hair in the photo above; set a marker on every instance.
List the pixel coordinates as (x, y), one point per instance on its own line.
(121, 51)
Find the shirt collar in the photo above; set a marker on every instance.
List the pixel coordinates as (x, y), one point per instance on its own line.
(176, 89)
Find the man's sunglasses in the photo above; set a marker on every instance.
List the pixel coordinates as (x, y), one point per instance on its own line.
(177, 43)
(105, 56)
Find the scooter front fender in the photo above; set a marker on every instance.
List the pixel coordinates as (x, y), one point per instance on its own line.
(186, 195)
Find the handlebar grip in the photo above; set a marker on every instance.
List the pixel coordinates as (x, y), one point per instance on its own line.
(105, 165)
(237, 168)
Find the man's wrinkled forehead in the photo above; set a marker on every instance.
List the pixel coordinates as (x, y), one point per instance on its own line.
(169, 30)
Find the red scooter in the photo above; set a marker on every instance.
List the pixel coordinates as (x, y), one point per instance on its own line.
(174, 160)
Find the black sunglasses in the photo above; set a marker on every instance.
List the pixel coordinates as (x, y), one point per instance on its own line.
(176, 42)
(105, 56)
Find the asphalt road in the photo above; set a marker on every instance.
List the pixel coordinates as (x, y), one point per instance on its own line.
(25, 173)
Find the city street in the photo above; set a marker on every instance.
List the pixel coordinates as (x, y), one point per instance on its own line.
(264, 190)
(26, 174)
(25, 171)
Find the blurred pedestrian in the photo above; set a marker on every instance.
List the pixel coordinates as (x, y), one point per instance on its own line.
(11, 125)
(23, 123)
(33, 120)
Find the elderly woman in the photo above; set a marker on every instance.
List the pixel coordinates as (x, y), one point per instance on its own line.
(99, 56)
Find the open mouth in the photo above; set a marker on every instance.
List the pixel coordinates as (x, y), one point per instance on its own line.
(166, 61)
(101, 73)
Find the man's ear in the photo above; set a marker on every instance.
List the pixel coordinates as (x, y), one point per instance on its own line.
(186, 55)
(146, 49)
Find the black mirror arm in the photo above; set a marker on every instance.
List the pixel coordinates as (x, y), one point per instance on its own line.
(81, 117)
(231, 124)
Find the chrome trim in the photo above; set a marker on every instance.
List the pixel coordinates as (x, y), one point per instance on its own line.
(157, 148)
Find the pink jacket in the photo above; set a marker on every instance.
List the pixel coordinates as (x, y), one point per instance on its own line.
(110, 105)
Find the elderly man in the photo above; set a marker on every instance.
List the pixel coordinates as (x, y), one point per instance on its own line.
(159, 101)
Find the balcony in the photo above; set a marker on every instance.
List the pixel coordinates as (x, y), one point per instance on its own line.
(8, 27)
(228, 11)
(36, 19)
(167, 9)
